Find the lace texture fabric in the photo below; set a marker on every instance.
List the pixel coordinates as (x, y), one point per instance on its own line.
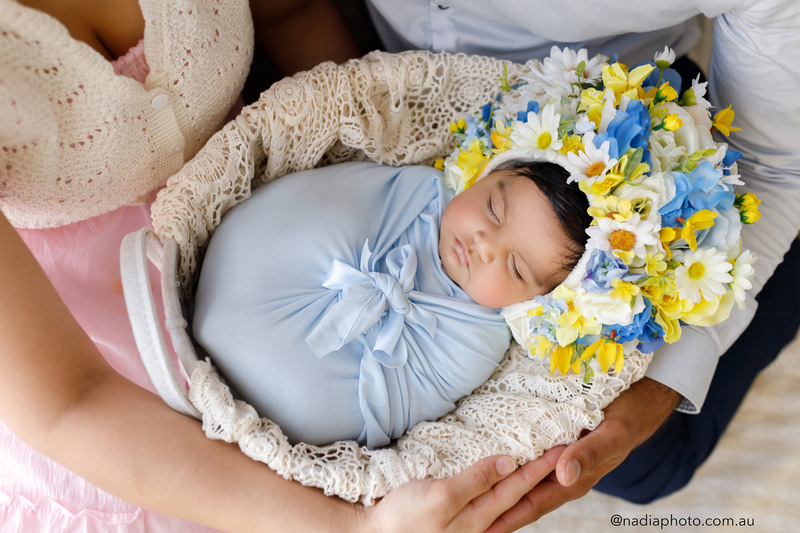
(394, 109)
(77, 140)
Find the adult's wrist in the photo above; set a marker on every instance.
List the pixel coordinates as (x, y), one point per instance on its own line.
(656, 402)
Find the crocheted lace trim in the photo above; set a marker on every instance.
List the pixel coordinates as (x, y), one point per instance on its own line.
(522, 411)
(395, 109)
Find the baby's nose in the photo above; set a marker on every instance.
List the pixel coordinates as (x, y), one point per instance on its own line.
(484, 246)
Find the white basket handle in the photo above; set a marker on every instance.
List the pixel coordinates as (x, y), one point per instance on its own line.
(136, 248)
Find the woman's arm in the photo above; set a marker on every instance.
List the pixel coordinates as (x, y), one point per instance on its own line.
(62, 398)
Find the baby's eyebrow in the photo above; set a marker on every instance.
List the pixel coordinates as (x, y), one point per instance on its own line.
(506, 209)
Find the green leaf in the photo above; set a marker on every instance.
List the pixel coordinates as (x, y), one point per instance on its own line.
(504, 85)
(588, 373)
(634, 159)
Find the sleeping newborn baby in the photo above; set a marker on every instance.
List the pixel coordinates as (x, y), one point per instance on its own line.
(352, 301)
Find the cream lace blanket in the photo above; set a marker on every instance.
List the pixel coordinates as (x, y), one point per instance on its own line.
(395, 109)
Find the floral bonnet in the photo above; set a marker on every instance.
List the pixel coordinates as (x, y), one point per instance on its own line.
(664, 245)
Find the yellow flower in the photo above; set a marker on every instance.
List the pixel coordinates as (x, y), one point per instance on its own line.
(571, 143)
(560, 359)
(563, 293)
(623, 290)
(439, 164)
(671, 326)
(458, 127)
(590, 97)
(701, 220)
(601, 187)
(722, 121)
(535, 311)
(610, 207)
(667, 236)
(573, 325)
(663, 292)
(569, 327)
(710, 312)
(665, 93)
(608, 353)
(655, 264)
(625, 257)
(472, 163)
(672, 122)
(617, 78)
(748, 207)
(501, 137)
(540, 345)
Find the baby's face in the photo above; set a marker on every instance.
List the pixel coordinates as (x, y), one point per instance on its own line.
(501, 242)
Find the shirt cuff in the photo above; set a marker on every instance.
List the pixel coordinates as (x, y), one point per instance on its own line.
(686, 367)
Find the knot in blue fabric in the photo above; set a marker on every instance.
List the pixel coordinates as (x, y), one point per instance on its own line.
(366, 296)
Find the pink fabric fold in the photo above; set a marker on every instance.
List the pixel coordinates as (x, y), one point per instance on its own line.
(82, 262)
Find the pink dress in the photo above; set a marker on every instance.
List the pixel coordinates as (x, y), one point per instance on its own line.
(82, 261)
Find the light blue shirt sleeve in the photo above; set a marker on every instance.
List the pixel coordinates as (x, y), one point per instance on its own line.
(323, 301)
(754, 68)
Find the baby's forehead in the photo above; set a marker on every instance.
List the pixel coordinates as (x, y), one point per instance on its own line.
(517, 187)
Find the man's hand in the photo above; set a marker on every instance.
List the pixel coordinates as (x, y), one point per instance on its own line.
(629, 421)
(467, 502)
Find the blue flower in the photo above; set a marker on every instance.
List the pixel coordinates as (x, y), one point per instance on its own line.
(629, 129)
(731, 156)
(487, 114)
(601, 269)
(547, 323)
(670, 75)
(475, 131)
(652, 336)
(533, 106)
(633, 330)
(694, 192)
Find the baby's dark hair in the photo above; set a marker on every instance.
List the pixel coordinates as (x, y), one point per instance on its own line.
(568, 201)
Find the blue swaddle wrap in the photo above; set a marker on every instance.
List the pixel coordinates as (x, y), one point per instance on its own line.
(323, 301)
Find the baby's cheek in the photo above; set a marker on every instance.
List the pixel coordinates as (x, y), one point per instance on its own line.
(491, 291)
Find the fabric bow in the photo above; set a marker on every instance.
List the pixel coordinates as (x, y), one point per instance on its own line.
(366, 296)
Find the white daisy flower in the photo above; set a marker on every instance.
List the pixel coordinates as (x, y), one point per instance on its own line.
(667, 56)
(742, 272)
(584, 125)
(563, 64)
(626, 239)
(699, 91)
(703, 275)
(591, 164)
(539, 133)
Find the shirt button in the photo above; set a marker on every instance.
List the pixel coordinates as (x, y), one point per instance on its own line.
(177, 147)
(159, 101)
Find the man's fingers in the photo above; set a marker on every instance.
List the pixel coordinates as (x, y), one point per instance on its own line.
(599, 447)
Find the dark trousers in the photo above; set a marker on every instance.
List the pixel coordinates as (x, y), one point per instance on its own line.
(668, 460)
